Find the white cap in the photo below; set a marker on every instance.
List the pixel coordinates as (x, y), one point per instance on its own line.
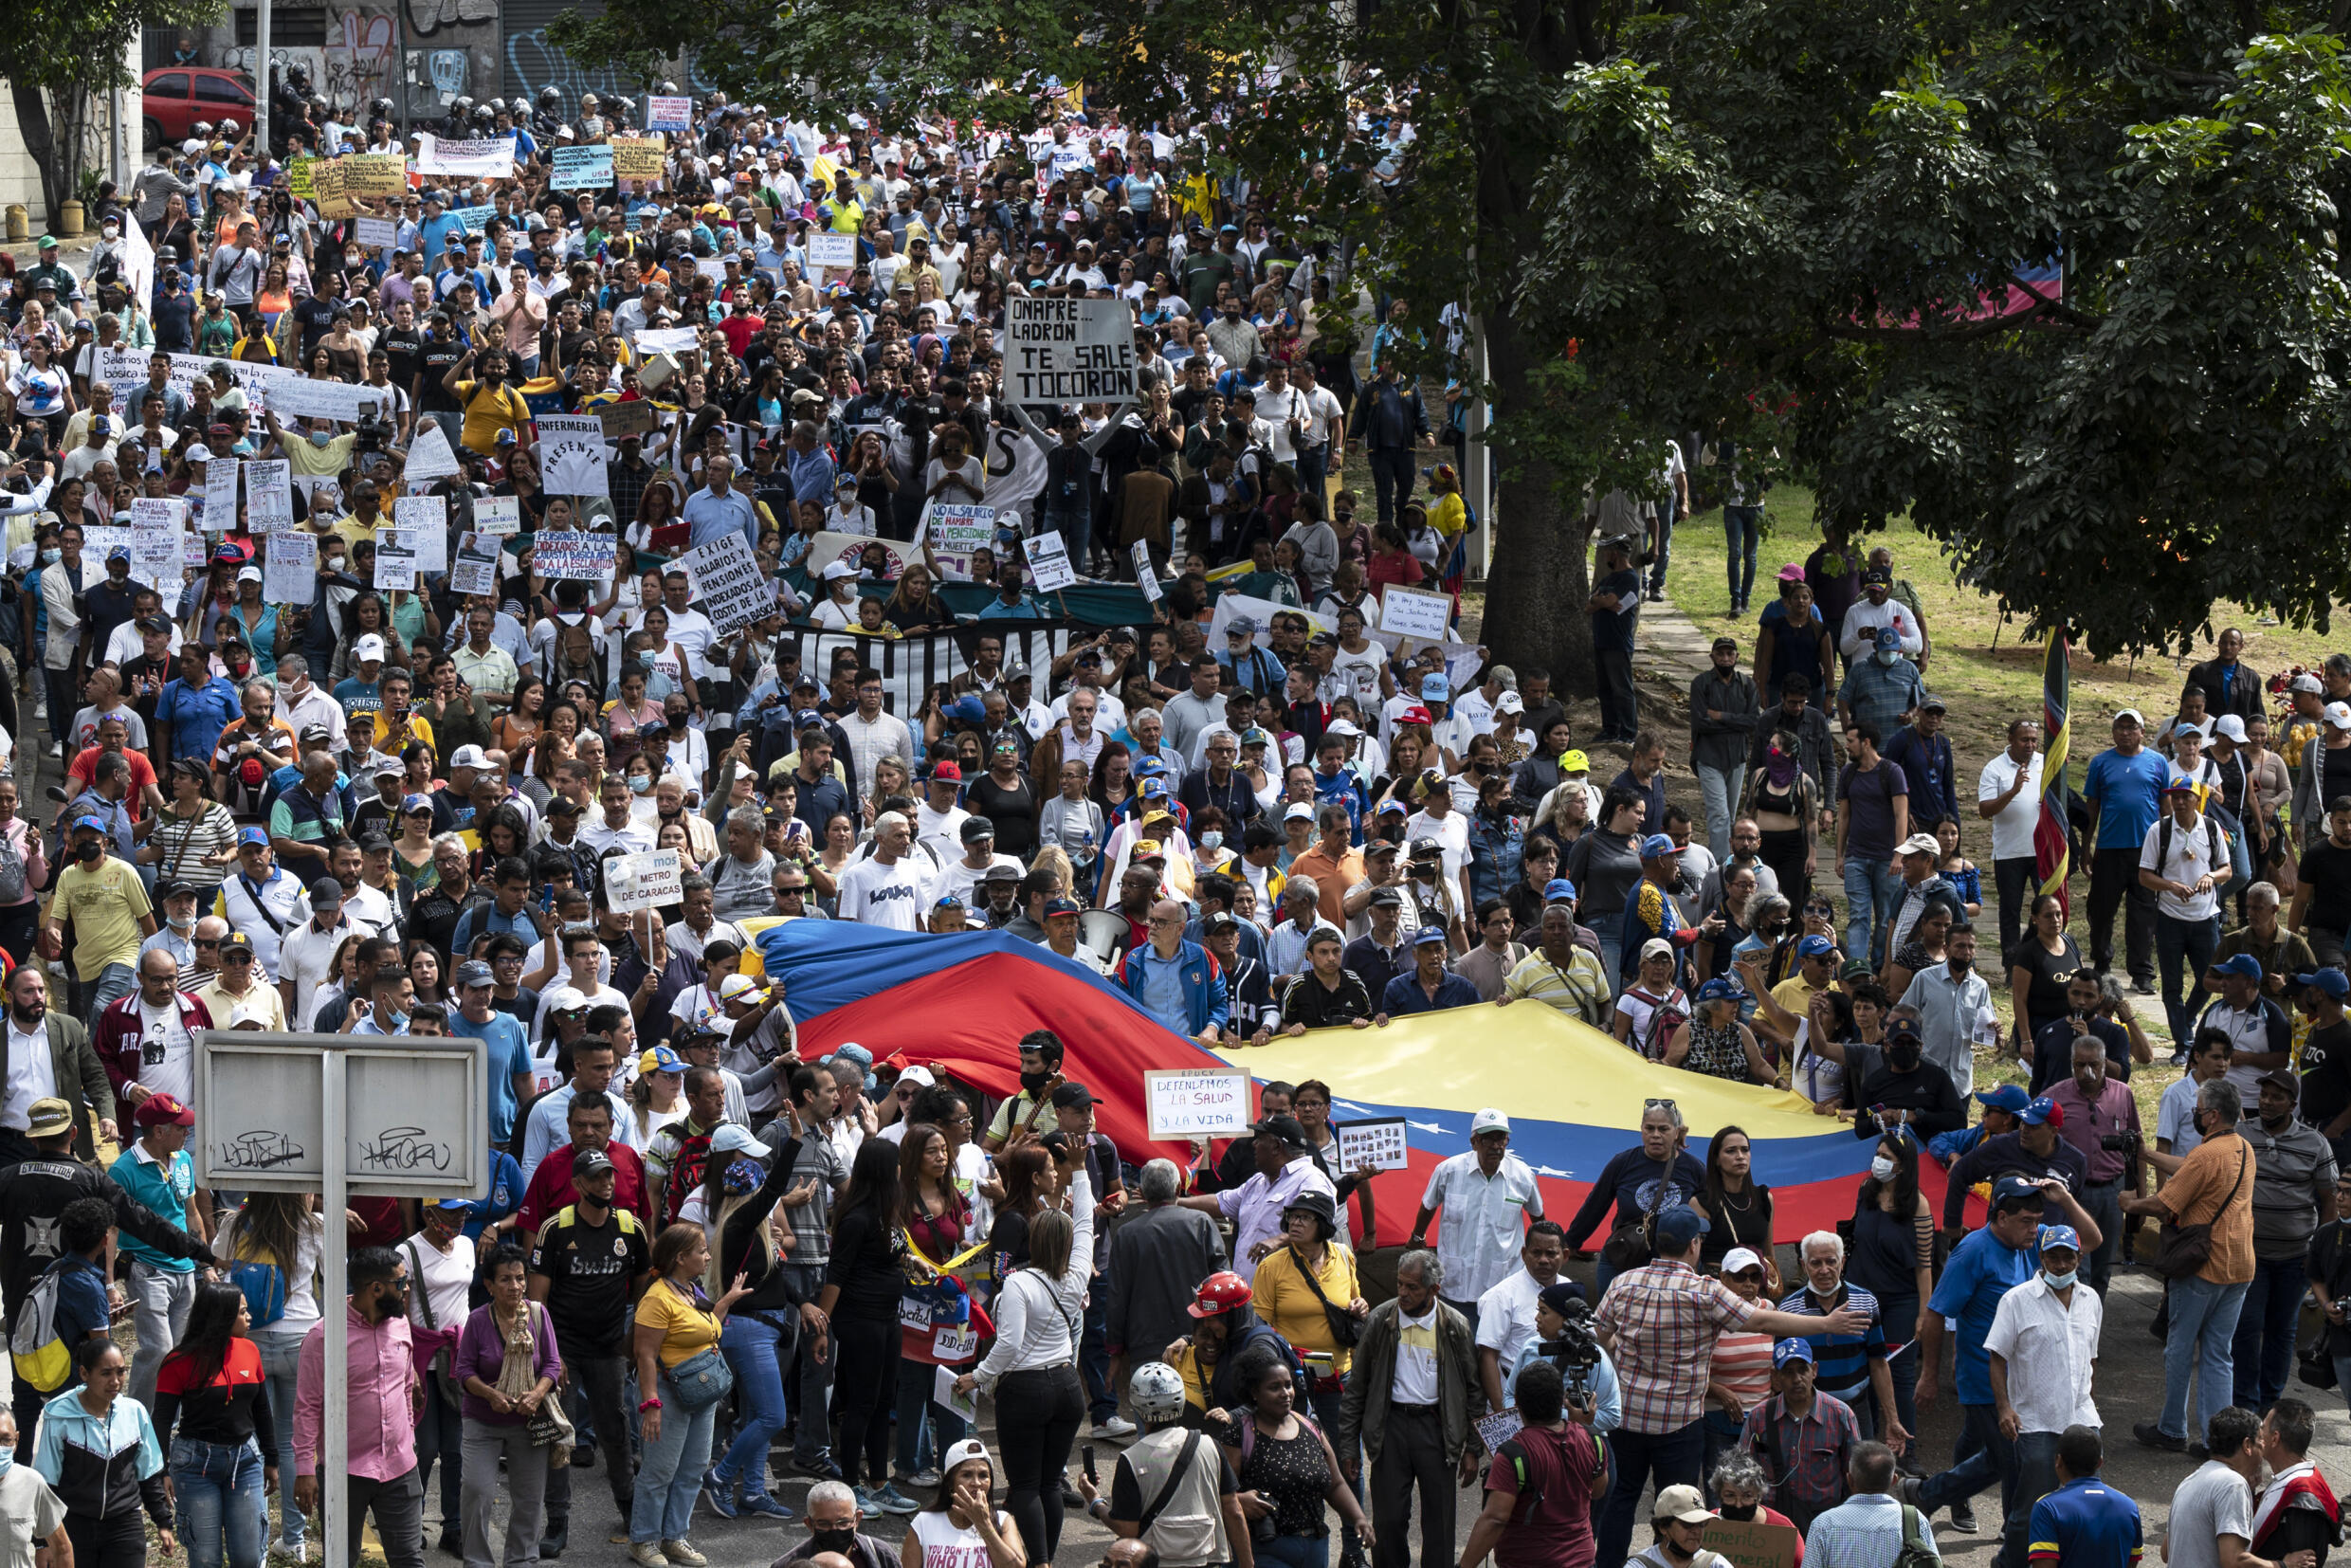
(835, 570)
(919, 1076)
(1488, 1121)
(1656, 947)
(965, 1449)
(470, 757)
(1342, 726)
(2305, 682)
(2229, 727)
(369, 647)
(2131, 714)
(198, 453)
(245, 1017)
(2338, 715)
(248, 574)
(1739, 1258)
(1919, 844)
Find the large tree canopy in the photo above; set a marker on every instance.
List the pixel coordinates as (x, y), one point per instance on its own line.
(59, 56)
(1801, 225)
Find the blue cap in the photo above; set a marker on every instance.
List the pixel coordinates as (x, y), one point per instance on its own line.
(1722, 989)
(1677, 1228)
(2060, 1235)
(2008, 1097)
(2009, 1188)
(807, 717)
(1149, 766)
(665, 1060)
(1063, 906)
(971, 709)
(1559, 890)
(2042, 1112)
(250, 835)
(1428, 936)
(1792, 1349)
(1815, 947)
(1888, 639)
(100, 824)
(1155, 788)
(119, 553)
(451, 1203)
(1658, 847)
(413, 803)
(2242, 964)
(2331, 981)
(1436, 688)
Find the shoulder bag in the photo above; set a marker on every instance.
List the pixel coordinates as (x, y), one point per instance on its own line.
(2183, 1250)
(444, 1359)
(1346, 1328)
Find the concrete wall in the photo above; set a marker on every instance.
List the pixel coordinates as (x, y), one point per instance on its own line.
(20, 178)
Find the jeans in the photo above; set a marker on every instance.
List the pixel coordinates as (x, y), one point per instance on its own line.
(2104, 1202)
(1722, 1432)
(1871, 888)
(1672, 1457)
(1314, 469)
(1037, 1417)
(812, 1440)
(1719, 788)
(441, 1436)
(2195, 940)
(2203, 1330)
(1661, 530)
(1076, 528)
(1993, 1457)
(915, 1383)
(1621, 711)
(597, 1385)
(218, 1499)
(526, 1488)
(398, 1506)
(670, 1476)
(1743, 530)
(1393, 478)
(1411, 1458)
(92, 997)
(1101, 1400)
(1294, 1551)
(2114, 883)
(64, 700)
(2036, 1477)
(2262, 1347)
(161, 1300)
(282, 1350)
(2018, 878)
(756, 1350)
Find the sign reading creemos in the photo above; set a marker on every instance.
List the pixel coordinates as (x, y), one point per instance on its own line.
(1068, 351)
(1202, 1104)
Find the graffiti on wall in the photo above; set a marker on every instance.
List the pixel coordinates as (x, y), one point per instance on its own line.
(453, 49)
(533, 63)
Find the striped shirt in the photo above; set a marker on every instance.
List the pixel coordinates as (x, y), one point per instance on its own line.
(1581, 990)
(1665, 1318)
(1804, 1457)
(1743, 1364)
(1842, 1361)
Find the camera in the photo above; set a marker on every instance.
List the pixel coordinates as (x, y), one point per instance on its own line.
(371, 433)
(1574, 1351)
(2122, 1142)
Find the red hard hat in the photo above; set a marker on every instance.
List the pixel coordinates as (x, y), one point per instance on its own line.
(1220, 1292)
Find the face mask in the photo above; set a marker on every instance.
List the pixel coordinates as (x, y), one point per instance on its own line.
(182, 924)
(641, 783)
(1745, 1514)
(87, 852)
(335, 563)
(319, 438)
(823, 1541)
(1034, 1082)
(1901, 1058)
(48, 557)
(2061, 1282)
(1886, 656)
(677, 723)
(1212, 839)
(395, 1021)
(1882, 1168)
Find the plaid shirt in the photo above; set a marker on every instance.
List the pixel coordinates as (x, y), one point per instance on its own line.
(1815, 1448)
(1665, 1318)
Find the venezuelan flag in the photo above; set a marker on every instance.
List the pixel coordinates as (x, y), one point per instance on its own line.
(2051, 854)
(1575, 1096)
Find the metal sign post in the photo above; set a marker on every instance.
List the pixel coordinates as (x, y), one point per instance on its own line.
(340, 1115)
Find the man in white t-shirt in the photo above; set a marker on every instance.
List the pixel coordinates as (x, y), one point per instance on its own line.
(2184, 863)
(2009, 793)
(938, 820)
(166, 1021)
(306, 958)
(885, 888)
(1506, 1311)
(688, 627)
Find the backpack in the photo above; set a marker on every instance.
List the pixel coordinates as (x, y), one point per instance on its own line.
(575, 655)
(263, 1284)
(12, 875)
(41, 1357)
(1915, 1553)
(2212, 841)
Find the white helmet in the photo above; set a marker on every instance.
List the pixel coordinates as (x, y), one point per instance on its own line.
(1157, 1392)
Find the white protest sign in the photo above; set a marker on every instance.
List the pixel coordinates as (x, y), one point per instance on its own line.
(158, 512)
(193, 550)
(301, 398)
(668, 114)
(667, 340)
(497, 516)
(1377, 1142)
(139, 269)
(395, 568)
(475, 571)
(422, 523)
(829, 251)
(472, 160)
(1049, 562)
(430, 455)
(570, 450)
(1410, 612)
(955, 533)
(220, 494)
(125, 371)
(588, 168)
(643, 881)
(290, 569)
(575, 558)
(1147, 575)
(1068, 351)
(376, 233)
(728, 585)
(269, 494)
(1202, 1104)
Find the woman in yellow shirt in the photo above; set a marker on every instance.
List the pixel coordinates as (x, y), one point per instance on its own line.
(1286, 1293)
(677, 1324)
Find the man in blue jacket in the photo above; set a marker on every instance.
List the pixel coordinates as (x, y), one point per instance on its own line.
(1177, 981)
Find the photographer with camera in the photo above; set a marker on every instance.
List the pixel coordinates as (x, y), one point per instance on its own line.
(1564, 1339)
(2101, 1119)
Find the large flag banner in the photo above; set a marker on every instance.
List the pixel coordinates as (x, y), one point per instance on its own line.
(2050, 858)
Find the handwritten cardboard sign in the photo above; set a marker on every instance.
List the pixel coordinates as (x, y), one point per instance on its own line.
(636, 882)
(575, 558)
(1184, 1104)
(1410, 612)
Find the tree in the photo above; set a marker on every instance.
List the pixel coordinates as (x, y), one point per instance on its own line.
(59, 57)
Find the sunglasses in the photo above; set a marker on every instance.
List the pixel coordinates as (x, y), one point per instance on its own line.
(235, 957)
(1657, 1105)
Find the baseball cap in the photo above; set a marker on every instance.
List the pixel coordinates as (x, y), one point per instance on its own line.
(733, 1137)
(469, 757)
(1070, 1095)
(2283, 1078)
(474, 972)
(2131, 714)
(1287, 1128)
(2331, 981)
(2060, 1235)
(452, 1201)
(249, 835)
(1658, 847)
(411, 805)
(2243, 965)
(1740, 1259)
(1887, 639)
(2011, 1188)
(2008, 1097)
(1488, 1121)
(1656, 947)
(1063, 906)
(2229, 726)
(1436, 688)
(1298, 811)
(162, 1110)
(660, 1059)
(1387, 898)
(1428, 935)
(741, 987)
(2338, 715)
(1920, 844)
(1575, 762)
(2042, 1111)
(371, 646)
(1559, 890)
(325, 890)
(2305, 682)
(1815, 946)
(49, 1117)
(1678, 1227)
(963, 1452)
(1681, 1503)
(1792, 1349)
(590, 1163)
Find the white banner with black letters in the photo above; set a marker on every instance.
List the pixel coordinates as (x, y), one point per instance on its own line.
(912, 666)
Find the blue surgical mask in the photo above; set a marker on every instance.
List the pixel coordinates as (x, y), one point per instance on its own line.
(48, 557)
(319, 438)
(395, 1022)
(642, 783)
(1212, 839)
(8, 1459)
(2061, 1282)
(1886, 656)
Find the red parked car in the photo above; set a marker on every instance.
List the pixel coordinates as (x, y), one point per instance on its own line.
(177, 97)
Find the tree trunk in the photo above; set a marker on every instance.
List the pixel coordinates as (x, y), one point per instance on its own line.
(41, 145)
(1536, 590)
